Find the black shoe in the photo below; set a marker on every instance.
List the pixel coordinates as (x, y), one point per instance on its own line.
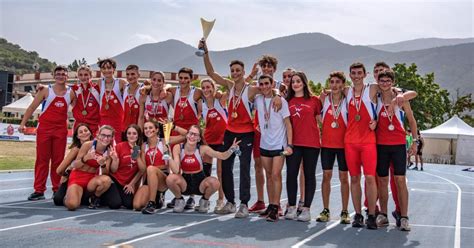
(421, 168)
(150, 208)
(171, 203)
(160, 200)
(267, 211)
(189, 203)
(93, 202)
(371, 223)
(272, 213)
(396, 215)
(358, 221)
(35, 196)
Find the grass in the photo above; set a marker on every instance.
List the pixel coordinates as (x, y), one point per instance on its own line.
(17, 155)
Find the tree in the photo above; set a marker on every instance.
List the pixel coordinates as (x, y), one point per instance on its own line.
(432, 105)
(315, 88)
(76, 64)
(462, 106)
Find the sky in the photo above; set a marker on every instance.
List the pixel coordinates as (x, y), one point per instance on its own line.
(64, 30)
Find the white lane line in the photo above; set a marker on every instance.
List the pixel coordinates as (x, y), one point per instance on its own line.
(18, 179)
(28, 202)
(17, 189)
(49, 221)
(457, 230)
(440, 191)
(447, 173)
(170, 230)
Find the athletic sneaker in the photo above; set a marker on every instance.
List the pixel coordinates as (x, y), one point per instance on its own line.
(243, 211)
(93, 202)
(305, 215)
(273, 213)
(345, 218)
(300, 207)
(219, 206)
(415, 168)
(291, 213)
(161, 200)
(265, 213)
(358, 220)
(396, 215)
(179, 205)
(421, 168)
(203, 205)
(35, 196)
(258, 207)
(382, 220)
(227, 209)
(150, 208)
(404, 226)
(324, 216)
(371, 224)
(189, 203)
(171, 203)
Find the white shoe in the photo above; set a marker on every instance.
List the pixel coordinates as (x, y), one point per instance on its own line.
(243, 211)
(203, 205)
(404, 226)
(227, 209)
(219, 205)
(381, 220)
(179, 205)
(305, 215)
(291, 213)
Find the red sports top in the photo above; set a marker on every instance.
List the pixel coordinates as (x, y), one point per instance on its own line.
(131, 107)
(216, 123)
(242, 123)
(384, 135)
(154, 156)
(185, 110)
(333, 137)
(358, 132)
(88, 100)
(191, 163)
(127, 167)
(54, 111)
(303, 120)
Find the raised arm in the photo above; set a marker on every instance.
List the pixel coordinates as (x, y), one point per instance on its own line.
(40, 96)
(210, 69)
(220, 155)
(412, 124)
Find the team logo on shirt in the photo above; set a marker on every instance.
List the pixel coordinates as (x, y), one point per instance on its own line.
(212, 115)
(59, 104)
(189, 160)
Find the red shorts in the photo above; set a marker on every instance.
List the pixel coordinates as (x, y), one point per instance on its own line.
(256, 144)
(80, 178)
(361, 154)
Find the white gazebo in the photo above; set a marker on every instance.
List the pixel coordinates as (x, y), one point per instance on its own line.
(19, 107)
(452, 141)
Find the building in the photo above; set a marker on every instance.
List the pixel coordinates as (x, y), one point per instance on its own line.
(26, 83)
(6, 87)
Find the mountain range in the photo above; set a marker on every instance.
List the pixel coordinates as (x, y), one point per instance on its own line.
(317, 54)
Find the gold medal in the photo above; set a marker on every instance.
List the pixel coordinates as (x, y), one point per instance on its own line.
(181, 117)
(334, 124)
(107, 106)
(153, 119)
(391, 127)
(357, 117)
(84, 112)
(234, 115)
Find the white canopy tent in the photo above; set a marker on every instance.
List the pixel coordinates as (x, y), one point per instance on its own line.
(19, 107)
(450, 142)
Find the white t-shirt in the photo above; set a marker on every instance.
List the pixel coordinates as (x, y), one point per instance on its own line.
(273, 131)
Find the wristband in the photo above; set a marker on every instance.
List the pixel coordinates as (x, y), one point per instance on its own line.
(82, 160)
(291, 146)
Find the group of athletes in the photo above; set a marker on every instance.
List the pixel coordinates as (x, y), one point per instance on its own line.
(118, 157)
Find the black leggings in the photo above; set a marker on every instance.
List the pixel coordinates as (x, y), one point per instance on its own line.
(58, 198)
(310, 160)
(115, 196)
(228, 166)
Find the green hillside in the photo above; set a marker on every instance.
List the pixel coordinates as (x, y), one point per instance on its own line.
(14, 58)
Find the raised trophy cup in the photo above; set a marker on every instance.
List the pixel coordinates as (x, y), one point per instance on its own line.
(167, 128)
(206, 30)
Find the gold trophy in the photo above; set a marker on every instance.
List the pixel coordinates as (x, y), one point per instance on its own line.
(206, 30)
(167, 128)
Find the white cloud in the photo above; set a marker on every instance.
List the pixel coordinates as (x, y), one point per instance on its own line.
(68, 35)
(142, 38)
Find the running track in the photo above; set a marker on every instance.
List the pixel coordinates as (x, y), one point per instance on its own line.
(441, 215)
